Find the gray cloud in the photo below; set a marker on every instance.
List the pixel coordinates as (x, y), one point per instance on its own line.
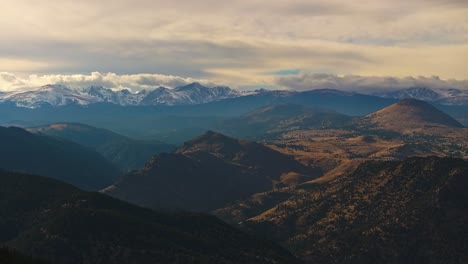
(133, 82)
(366, 84)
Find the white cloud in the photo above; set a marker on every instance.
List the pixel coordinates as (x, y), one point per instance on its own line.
(300, 82)
(133, 82)
(367, 84)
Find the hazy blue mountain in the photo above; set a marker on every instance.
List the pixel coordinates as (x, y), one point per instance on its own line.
(175, 124)
(58, 158)
(124, 152)
(59, 95)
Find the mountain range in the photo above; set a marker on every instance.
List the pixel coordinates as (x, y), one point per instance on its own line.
(194, 93)
(338, 177)
(178, 123)
(59, 95)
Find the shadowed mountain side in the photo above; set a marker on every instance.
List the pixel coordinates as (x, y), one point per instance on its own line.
(252, 155)
(64, 160)
(124, 152)
(206, 173)
(60, 223)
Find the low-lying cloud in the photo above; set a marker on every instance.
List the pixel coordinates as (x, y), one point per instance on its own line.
(300, 82)
(133, 82)
(368, 84)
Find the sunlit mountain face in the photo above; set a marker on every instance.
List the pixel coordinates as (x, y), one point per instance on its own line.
(302, 131)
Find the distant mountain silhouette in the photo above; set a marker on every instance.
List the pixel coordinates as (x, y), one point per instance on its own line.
(124, 152)
(206, 173)
(61, 159)
(46, 218)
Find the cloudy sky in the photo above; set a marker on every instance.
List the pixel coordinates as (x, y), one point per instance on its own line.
(296, 44)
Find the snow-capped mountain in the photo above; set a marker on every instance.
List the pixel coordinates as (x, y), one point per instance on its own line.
(122, 97)
(56, 95)
(421, 93)
(443, 96)
(59, 95)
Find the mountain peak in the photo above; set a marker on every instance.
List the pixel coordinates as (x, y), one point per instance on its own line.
(54, 87)
(411, 101)
(331, 91)
(185, 179)
(212, 134)
(190, 87)
(208, 140)
(124, 92)
(409, 114)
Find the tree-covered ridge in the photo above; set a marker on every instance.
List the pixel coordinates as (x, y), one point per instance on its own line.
(58, 222)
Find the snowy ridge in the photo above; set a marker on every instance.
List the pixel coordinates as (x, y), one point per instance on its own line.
(195, 93)
(442, 96)
(59, 95)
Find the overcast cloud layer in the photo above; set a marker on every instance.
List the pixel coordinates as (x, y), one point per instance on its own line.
(366, 84)
(299, 82)
(243, 42)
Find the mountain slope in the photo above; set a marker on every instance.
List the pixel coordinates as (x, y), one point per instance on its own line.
(411, 211)
(57, 222)
(124, 152)
(208, 172)
(60, 159)
(409, 114)
(283, 117)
